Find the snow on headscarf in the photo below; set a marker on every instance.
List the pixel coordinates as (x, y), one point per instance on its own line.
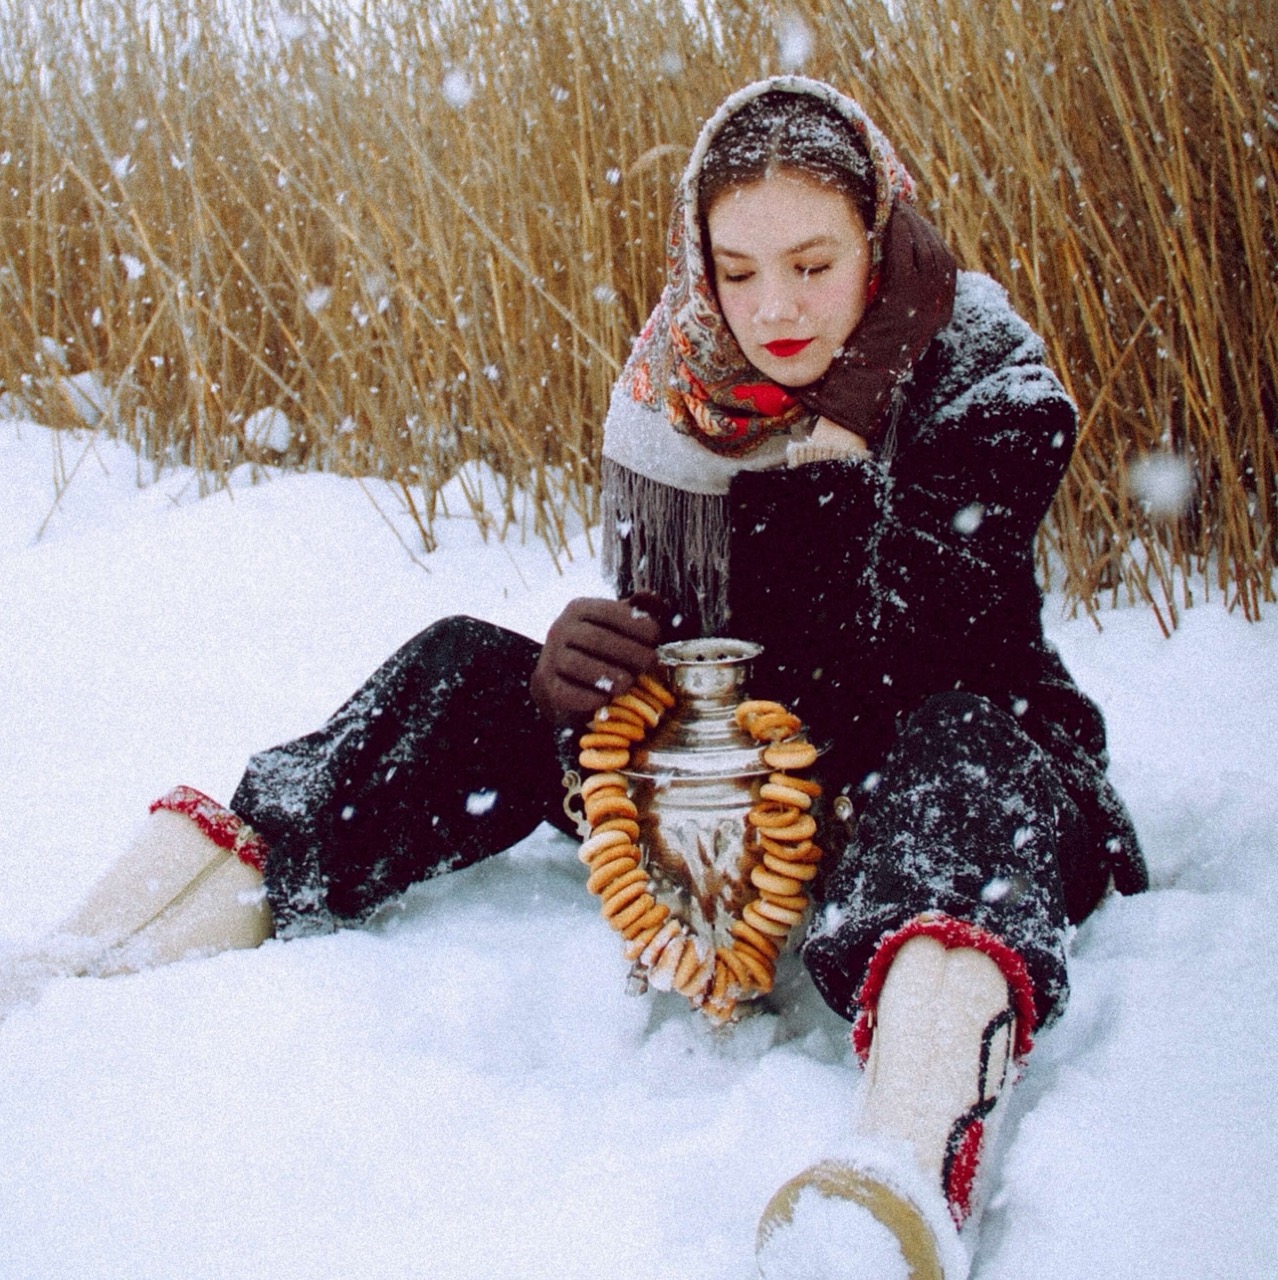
(686, 359)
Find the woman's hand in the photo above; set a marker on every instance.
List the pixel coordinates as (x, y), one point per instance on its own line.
(593, 652)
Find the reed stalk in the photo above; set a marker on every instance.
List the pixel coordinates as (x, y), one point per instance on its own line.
(428, 235)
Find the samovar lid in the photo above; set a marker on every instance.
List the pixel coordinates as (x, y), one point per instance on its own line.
(700, 738)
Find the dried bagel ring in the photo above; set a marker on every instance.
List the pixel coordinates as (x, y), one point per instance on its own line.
(697, 985)
(803, 851)
(604, 742)
(610, 804)
(641, 706)
(768, 881)
(753, 707)
(809, 786)
(632, 890)
(773, 726)
(765, 943)
(655, 689)
(722, 980)
(662, 974)
(608, 870)
(646, 924)
(633, 911)
(689, 964)
(595, 844)
(613, 714)
(733, 965)
(779, 793)
(626, 825)
(625, 880)
(609, 780)
(789, 755)
(627, 730)
(603, 757)
(790, 870)
(753, 914)
(667, 933)
(769, 816)
(790, 901)
(639, 937)
(785, 916)
(802, 828)
(757, 966)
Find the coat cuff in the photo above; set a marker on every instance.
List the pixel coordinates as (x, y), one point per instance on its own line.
(799, 453)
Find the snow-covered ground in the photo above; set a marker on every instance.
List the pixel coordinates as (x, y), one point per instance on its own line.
(464, 1090)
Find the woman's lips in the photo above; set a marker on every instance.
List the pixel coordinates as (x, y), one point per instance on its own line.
(785, 347)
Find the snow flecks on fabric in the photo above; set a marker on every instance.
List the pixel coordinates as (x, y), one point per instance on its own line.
(480, 802)
(984, 330)
(965, 809)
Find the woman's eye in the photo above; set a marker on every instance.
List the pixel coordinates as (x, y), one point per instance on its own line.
(813, 269)
(734, 277)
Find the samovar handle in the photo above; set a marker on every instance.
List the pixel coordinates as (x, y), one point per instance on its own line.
(577, 816)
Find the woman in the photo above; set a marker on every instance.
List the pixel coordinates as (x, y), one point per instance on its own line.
(829, 441)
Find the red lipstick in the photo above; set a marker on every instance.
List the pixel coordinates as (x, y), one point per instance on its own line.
(786, 347)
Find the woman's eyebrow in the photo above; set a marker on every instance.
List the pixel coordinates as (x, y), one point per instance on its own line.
(815, 242)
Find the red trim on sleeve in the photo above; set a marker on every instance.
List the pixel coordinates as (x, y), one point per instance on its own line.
(226, 829)
(952, 934)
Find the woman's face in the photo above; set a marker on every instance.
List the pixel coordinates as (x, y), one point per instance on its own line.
(791, 262)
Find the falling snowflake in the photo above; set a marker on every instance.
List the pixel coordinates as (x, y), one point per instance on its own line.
(317, 299)
(794, 42)
(457, 89)
(1163, 483)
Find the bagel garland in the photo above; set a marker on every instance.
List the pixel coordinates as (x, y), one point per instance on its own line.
(779, 829)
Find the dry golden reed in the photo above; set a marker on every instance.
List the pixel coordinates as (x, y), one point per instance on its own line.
(428, 233)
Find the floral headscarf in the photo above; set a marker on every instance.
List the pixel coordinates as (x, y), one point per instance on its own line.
(686, 359)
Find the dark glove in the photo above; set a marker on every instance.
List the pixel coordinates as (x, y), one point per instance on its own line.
(915, 299)
(593, 652)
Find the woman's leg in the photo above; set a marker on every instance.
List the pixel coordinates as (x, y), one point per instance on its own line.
(941, 936)
(969, 822)
(441, 759)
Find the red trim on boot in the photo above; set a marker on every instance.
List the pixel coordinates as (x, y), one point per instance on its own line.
(962, 1172)
(226, 829)
(952, 934)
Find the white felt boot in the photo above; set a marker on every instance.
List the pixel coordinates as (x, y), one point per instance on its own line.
(182, 887)
(940, 1061)
(189, 883)
(939, 1064)
(173, 880)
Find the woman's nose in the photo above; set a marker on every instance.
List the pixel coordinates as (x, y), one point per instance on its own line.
(777, 304)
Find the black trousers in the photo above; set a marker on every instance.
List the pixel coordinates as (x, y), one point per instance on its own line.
(442, 759)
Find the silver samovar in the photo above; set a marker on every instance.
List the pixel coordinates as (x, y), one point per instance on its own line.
(694, 781)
